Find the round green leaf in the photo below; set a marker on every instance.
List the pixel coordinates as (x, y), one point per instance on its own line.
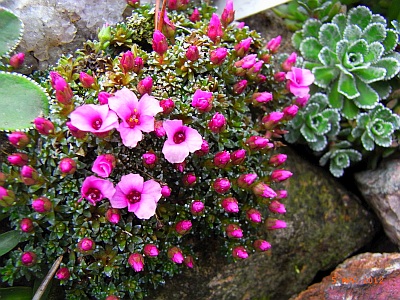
(22, 100)
(11, 29)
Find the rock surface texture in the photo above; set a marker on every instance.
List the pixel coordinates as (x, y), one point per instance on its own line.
(326, 224)
(365, 276)
(381, 188)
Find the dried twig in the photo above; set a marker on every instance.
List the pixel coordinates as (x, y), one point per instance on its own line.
(42, 288)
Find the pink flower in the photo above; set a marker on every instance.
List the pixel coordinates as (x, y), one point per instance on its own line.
(63, 273)
(290, 111)
(221, 159)
(138, 64)
(150, 250)
(230, 205)
(272, 119)
(181, 140)
(280, 175)
(159, 129)
(221, 185)
(113, 215)
(18, 159)
(234, 231)
(261, 245)
(277, 159)
(273, 44)
(192, 53)
(299, 81)
(277, 207)
(104, 165)
(43, 126)
(218, 56)
(28, 258)
(214, 31)
(67, 166)
(7, 197)
(189, 261)
(257, 142)
(137, 116)
(94, 118)
(281, 194)
(261, 189)
(75, 131)
(17, 60)
(202, 100)
(263, 97)
(195, 16)
(254, 215)
(139, 196)
(240, 86)
(145, 86)
(243, 46)
(26, 225)
(103, 97)
(86, 245)
(42, 205)
(165, 191)
(289, 62)
(240, 252)
(64, 92)
(280, 76)
(302, 101)
(228, 15)
(18, 139)
(183, 226)
(167, 106)
(149, 159)
(246, 180)
(86, 80)
(189, 179)
(95, 189)
(29, 175)
(238, 156)
(205, 148)
(175, 254)
(217, 123)
(136, 261)
(160, 44)
(197, 207)
(275, 224)
(126, 61)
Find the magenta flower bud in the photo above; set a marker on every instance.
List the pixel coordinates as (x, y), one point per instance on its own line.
(168, 28)
(203, 101)
(277, 207)
(281, 194)
(29, 175)
(160, 44)
(43, 126)
(221, 185)
(240, 252)
(75, 131)
(218, 56)
(197, 207)
(234, 231)
(238, 156)
(261, 78)
(205, 148)
(103, 97)
(195, 16)
(277, 159)
(149, 160)
(145, 86)
(28, 258)
(67, 166)
(230, 205)
(192, 53)
(274, 44)
(302, 101)
(261, 245)
(86, 245)
(172, 4)
(166, 191)
(17, 60)
(42, 205)
(272, 119)
(159, 129)
(113, 216)
(217, 123)
(175, 254)
(272, 224)
(214, 31)
(280, 76)
(183, 227)
(263, 97)
(243, 47)
(240, 86)
(138, 64)
(113, 297)
(240, 25)
(189, 179)
(261, 189)
(221, 159)
(253, 215)
(167, 105)
(290, 111)
(257, 142)
(26, 225)
(280, 175)
(18, 139)
(150, 250)
(180, 166)
(246, 180)
(189, 262)
(86, 80)
(18, 159)
(7, 197)
(136, 261)
(63, 273)
(126, 62)
(228, 15)
(104, 165)
(289, 62)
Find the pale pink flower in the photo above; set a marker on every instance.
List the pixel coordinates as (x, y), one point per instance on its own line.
(180, 142)
(95, 189)
(137, 116)
(94, 118)
(104, 164)
(299, 81)
(139, 196)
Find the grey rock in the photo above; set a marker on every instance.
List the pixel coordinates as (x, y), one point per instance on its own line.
(381, 189)
(326, 224)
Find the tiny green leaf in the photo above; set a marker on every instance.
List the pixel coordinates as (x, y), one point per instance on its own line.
(347, 86)
(310, 48)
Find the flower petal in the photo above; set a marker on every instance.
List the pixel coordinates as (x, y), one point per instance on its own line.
(146, 208)
(172, 126)
(175, 153)
(130, 136)
(149, 106)
(153, 189)
(131, 182)
(119, 199)
(146, 123)
(193, 139)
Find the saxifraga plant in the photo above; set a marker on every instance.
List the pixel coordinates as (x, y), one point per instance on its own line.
(152, 141)
(353, 61)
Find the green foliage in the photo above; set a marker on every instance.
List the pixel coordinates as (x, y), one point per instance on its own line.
(8, 241)
(11, 31)
(105, 270)
(16, 293)
(354, 62)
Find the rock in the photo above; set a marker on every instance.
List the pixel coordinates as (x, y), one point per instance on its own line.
(326, 224)
(56, 27)
(381, 189)
(365, 276)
